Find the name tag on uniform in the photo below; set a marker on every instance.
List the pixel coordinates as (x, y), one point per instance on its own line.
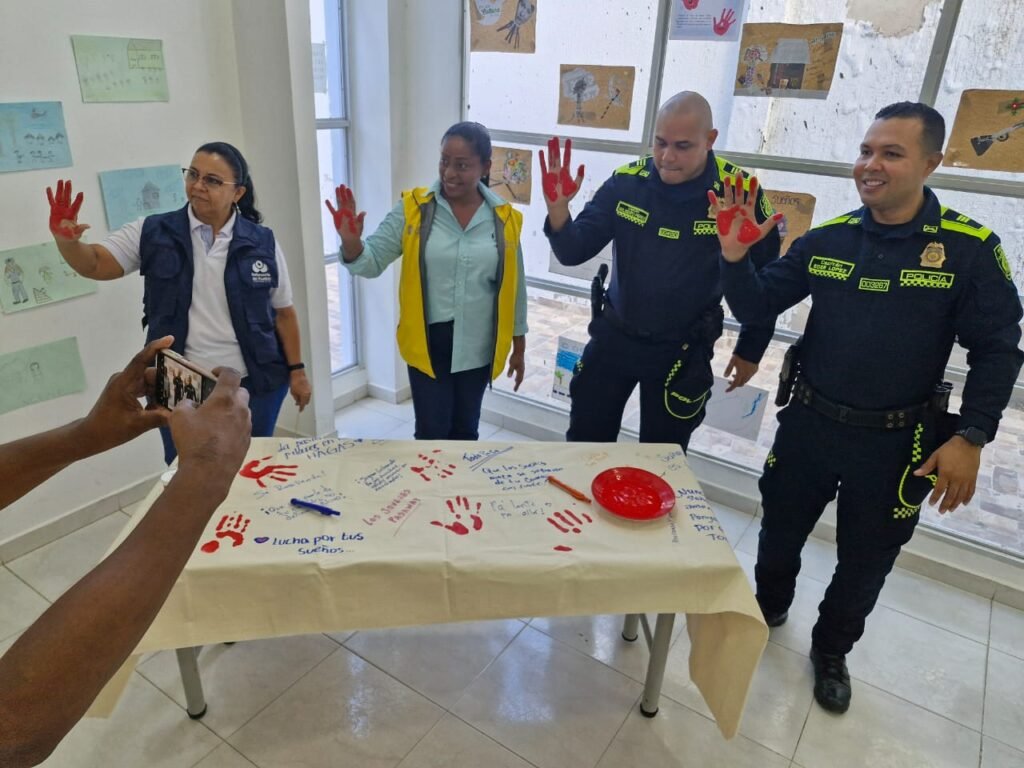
(836, 269)
(671, 234)
(631, 213)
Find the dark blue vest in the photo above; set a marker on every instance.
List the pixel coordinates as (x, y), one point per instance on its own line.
(249, 275)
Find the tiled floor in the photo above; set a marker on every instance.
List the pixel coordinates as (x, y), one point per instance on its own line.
(938, 681)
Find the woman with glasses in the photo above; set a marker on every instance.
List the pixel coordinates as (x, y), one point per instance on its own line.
(462, 292)
(215, 279)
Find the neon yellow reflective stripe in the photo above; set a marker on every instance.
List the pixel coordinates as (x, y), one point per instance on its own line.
(633, 168)
(837, 220)
(981, 233)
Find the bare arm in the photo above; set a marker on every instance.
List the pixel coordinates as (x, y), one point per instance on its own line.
(92, 261)
(59, 665)
(287, 324)
(116, 418)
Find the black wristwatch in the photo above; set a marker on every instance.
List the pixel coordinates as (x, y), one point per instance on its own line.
(296, 367)
(973, 435)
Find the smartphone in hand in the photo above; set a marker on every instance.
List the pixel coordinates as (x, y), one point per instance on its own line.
(178, 379)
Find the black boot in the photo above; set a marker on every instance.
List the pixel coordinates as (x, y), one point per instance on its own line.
(831, 681)
(773, 618)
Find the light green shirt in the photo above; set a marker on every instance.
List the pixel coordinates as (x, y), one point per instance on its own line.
(461, 274)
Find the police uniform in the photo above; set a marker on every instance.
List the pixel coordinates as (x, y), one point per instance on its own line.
(662, 313)
(887, 304)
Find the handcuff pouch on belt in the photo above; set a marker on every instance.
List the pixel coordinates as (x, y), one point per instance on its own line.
(689, 380)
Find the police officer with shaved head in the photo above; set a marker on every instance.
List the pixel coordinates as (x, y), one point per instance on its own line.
(658, 323)
(893, 285)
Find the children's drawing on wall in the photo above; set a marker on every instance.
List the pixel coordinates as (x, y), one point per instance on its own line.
(508, 26)
(32, 135)
(739, 412)
(511, 173)
(36, 374)
(797, 209)
(714, 20)
(569, 353)
(988, 132)
(132, 193)
(120, 69)
(35, 275)
(596, 96)
(788, 60)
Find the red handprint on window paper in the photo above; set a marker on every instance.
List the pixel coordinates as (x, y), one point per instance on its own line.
(722, 25)
(230, 527)
(276, 472)
(431, 466)
(460, 507)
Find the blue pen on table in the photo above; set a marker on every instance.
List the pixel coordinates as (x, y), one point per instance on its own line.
(315, 507)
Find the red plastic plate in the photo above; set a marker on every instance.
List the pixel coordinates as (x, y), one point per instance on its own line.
(633, 493)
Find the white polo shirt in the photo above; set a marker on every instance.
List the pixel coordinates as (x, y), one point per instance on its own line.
(211, 336)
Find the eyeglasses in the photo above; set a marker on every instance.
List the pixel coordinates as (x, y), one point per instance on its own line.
(213, 182)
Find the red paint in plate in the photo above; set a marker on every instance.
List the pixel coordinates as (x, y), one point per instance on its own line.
(633, 493)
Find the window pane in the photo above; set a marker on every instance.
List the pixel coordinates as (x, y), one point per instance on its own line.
(332, 153)
(987, 52)
(328, 63)
(521, 93)
(871, 72)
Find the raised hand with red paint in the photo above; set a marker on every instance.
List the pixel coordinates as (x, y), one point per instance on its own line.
(559, 186)
(724, 23)
(278, 472)
(736, 219)
(465, 515)
(347, 223)
(64, 213)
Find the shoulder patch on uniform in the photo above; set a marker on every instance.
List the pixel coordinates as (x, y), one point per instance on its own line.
(634, 168)
(766, 206)
(1003, 262)
(955, 221)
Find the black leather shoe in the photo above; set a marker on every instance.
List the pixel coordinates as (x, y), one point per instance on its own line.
(831, 681)
(774, 619)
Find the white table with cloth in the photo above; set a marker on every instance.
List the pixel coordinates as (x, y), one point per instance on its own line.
(436, 532)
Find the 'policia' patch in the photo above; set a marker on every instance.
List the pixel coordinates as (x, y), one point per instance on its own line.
(919, 278)
(823, 266)
(873, 284)
(704, 227)
(631, 213)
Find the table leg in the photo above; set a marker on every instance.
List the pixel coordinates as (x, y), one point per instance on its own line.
(629, 627)
(188, 664)
(656, 665)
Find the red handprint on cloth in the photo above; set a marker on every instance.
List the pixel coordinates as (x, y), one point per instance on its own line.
(567, 521)
(459, 507)
(722, 25)
(231, 527)
(276, 472)
(431, 466)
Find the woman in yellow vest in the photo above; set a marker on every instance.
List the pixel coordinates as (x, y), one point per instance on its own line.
(462, 294)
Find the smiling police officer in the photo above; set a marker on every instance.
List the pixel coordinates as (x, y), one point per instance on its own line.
(893, 284)
(658, 324)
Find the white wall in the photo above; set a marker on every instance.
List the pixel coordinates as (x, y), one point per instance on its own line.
(259, 100)
(38, 65)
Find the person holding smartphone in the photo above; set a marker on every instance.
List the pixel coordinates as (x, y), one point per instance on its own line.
(215, 279)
